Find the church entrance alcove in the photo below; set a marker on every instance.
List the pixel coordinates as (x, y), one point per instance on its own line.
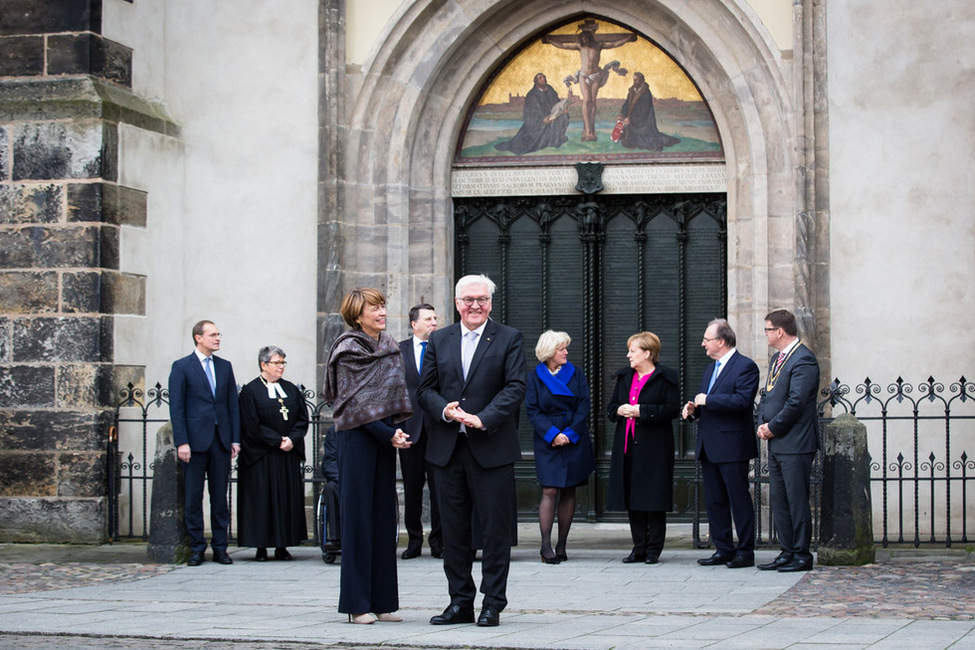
(644, 251)
(602, 267)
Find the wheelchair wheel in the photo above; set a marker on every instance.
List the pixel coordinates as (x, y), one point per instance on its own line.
(328, 555)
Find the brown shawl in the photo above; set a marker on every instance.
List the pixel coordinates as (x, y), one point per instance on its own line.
(365, 380)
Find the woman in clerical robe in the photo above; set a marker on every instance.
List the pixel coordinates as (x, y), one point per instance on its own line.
(271, 495)
(365, 384)
(557, 403)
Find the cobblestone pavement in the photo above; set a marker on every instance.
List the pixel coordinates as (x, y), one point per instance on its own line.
(901, 589)
(24, 577)
(50, 642)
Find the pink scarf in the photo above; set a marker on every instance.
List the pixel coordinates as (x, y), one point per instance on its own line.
(635, 387)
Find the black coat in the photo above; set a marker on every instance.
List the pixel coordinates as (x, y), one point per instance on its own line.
(652, 482)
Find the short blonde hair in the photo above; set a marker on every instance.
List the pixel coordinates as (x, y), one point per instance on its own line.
(549, 342)
(647, 341)
(355, 303)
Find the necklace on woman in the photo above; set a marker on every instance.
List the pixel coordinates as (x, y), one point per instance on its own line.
(277, 390)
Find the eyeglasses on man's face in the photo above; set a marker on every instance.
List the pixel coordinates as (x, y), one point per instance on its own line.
(480, 300)
(772, 329)
(277, 363)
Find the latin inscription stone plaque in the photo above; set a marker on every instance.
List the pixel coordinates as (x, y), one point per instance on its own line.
(621, 179)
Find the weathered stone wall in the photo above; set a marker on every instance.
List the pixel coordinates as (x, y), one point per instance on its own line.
(63, 93)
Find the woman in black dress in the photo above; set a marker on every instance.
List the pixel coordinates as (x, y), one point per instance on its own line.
(644, 405)
(365, 383)
(273, 424)
(557, 403)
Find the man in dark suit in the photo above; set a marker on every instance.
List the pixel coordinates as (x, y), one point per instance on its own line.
(416, 470)
(206, 432)
(726, 444)
(788, 420)
(472, 385)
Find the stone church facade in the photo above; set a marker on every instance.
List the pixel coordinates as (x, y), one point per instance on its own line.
(162, 162)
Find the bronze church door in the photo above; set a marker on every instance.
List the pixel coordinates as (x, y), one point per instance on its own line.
(602, 268)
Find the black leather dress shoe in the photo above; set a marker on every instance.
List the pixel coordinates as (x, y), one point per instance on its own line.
(489, 617)
(715, 559)
(741, 561)
(795, 564)
(775, 564)
(651, 559)
(221, 557)
(633, 558)
(411, 552)
(196, 559)
(437, 552)
(261, 555)
(282, 554)
(453, 615)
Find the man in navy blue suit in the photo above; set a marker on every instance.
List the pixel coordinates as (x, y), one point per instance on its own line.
(206, 432)
(416, 470)
(726, 444)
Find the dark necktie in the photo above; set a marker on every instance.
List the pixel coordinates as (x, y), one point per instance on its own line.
(423, 351)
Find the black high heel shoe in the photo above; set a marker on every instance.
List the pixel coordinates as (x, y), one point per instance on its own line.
(560, 553)
(549, 560)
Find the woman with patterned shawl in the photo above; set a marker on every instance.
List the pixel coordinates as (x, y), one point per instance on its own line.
(557, 403)
(366, 386)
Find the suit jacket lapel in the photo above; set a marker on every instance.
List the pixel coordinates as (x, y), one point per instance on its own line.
(726, 371)
(409, 359)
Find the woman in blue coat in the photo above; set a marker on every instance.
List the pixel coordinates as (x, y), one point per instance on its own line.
(557, 402)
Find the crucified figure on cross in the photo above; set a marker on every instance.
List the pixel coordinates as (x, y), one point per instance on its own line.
(590, 77)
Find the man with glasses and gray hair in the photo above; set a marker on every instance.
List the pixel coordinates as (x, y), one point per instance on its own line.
(724, 412)
(471, 387)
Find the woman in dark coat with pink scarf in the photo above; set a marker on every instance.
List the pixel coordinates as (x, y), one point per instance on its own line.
(366, 386)
(644, 405)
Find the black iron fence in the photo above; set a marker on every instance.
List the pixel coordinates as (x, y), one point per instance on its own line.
(922, 476)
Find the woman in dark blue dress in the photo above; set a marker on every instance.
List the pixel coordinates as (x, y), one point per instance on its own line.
(366, 386)
(557, 402)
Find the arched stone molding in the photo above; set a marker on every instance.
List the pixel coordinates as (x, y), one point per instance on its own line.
(406, 106)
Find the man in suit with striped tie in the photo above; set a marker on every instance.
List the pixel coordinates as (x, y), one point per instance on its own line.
(788, 421)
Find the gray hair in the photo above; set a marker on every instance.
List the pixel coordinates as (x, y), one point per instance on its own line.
(267, 352)
(724, 332)
(468, 280)
(549, 342)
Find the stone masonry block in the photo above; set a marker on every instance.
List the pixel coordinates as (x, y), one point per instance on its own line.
(85, 386)
(34, 204)
(58, 150)
(58, 339)
(54, 521)
(23, 385)
(50, 16)
(108, 203)
(31, 429)
(28, 292)
(123, 293)
(81, 292)
(21, 56)
(27, 474)
(89, 54)
(6, 327)
(38, 247)
(108, 247)
(4, 156)
(82, 474)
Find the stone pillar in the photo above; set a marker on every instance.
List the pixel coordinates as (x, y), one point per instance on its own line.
(168, 540)
(846, 535)
(64, 89)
